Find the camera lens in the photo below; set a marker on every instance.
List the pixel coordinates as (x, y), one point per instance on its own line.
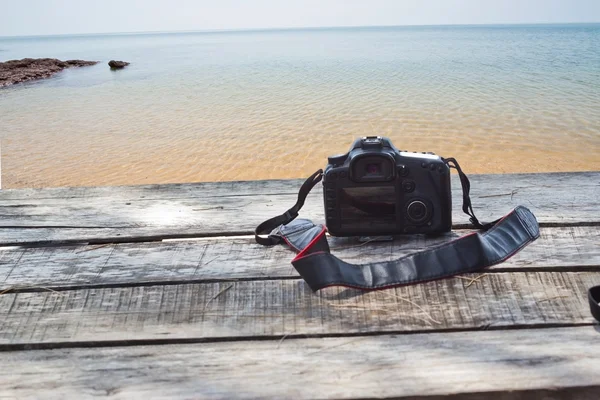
(417, 211)
(373, 169)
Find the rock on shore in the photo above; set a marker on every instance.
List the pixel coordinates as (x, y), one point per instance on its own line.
(27, 69)
(117, 64)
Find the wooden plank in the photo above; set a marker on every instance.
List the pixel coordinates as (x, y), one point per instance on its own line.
(275, 308)
(166, 211)
(167, 191)
(558, 364)
(565, 248)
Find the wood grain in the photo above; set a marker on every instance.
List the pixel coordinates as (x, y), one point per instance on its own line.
(566, 248)
(549, 364)
(189, 210)
(289, 307)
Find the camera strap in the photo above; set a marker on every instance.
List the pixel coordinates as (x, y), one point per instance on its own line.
(288, 216)
(494, 243)
(594, 298)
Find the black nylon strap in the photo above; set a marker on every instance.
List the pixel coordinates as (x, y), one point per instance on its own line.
(468, 253)
(267, 226)
(594, 298)
(466, 189)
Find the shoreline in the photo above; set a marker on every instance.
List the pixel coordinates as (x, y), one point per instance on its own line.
(293, 179)
(140, 178)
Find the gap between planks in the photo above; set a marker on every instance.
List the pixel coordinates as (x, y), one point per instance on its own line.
(559, 364)
(111, 239)
(470, 278)
(284, 307)
(158, 212)
(277, 339)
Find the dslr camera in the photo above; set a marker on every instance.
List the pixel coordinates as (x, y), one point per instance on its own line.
(376, 189)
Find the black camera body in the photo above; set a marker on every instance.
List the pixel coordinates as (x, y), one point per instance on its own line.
(375, 189)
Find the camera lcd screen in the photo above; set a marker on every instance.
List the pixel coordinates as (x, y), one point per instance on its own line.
(368, 207)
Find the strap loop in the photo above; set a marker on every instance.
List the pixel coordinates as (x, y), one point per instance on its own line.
(467, 207)
(267, 226)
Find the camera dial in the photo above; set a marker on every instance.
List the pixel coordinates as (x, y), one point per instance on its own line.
(417, 212)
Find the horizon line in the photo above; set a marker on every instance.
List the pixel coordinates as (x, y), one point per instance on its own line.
(242, 30)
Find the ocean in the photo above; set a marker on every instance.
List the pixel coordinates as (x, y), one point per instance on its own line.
(211, 106)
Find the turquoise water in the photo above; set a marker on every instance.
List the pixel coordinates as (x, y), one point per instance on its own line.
(270, 104)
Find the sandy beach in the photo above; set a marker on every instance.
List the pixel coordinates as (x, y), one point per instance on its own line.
(89, 163)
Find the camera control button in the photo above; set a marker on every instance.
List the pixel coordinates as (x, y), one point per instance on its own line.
(402, 170)
(417, 212)
(424, 164)
(432, 167)
(333, 175)
(408, 186)
(343, 174)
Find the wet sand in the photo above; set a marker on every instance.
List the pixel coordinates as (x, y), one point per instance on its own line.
(52, 160)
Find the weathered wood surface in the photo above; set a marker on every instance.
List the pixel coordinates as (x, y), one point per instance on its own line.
(186, 210)
(288, 307)
(567, 248)
(209, 295)
(547, 364)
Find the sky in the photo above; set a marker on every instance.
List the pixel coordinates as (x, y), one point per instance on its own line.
(51, 17)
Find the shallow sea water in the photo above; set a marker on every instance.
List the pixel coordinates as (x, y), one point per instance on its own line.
(275, 104)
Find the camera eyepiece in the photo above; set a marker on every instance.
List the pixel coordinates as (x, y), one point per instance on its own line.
(372, 168)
